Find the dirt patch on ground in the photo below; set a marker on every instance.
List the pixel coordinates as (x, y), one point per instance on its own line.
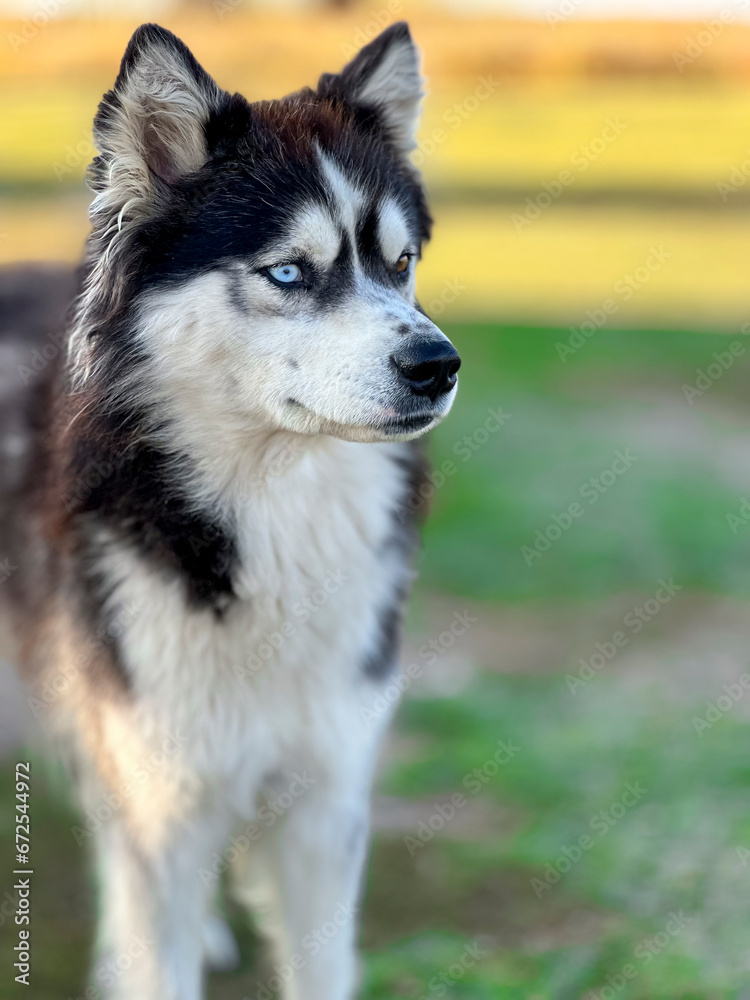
(688, 646)
(415, 894)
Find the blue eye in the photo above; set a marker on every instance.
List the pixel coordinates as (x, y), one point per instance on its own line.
(285, 274)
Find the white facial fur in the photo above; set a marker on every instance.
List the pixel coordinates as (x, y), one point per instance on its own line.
(236, 347)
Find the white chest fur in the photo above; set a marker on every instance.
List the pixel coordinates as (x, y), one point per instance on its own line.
(276, 683)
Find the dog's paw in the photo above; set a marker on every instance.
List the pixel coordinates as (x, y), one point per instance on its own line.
(219, 945)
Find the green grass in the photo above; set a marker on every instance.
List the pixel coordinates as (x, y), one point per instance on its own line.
(666, 516)
(472, 884)
(673, 849)
(676, 849)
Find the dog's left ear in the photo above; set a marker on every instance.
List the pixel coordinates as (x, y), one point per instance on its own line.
(384, 78)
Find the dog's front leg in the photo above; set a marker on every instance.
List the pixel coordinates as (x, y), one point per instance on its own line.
(320, 854)
(153, 907)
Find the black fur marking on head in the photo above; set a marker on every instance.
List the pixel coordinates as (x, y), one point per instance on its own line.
(367, 235)
(261, 168)
(238, 209)
(339, 281)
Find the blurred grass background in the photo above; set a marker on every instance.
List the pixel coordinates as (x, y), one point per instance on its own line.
(532, 100)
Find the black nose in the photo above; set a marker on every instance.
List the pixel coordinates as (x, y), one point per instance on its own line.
(428, 367)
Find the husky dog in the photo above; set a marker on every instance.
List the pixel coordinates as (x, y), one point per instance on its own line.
(212, 537)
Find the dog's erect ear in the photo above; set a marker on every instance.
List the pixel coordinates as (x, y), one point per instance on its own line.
(152, 123)
(385, 78)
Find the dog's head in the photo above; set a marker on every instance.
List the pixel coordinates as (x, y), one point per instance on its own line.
(262, 255)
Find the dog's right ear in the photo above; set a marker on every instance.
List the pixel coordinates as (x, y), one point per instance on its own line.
(150, 129)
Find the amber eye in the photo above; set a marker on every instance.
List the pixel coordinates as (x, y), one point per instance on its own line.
(403, 264)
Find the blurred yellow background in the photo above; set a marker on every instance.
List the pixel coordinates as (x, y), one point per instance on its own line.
(645, 122)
